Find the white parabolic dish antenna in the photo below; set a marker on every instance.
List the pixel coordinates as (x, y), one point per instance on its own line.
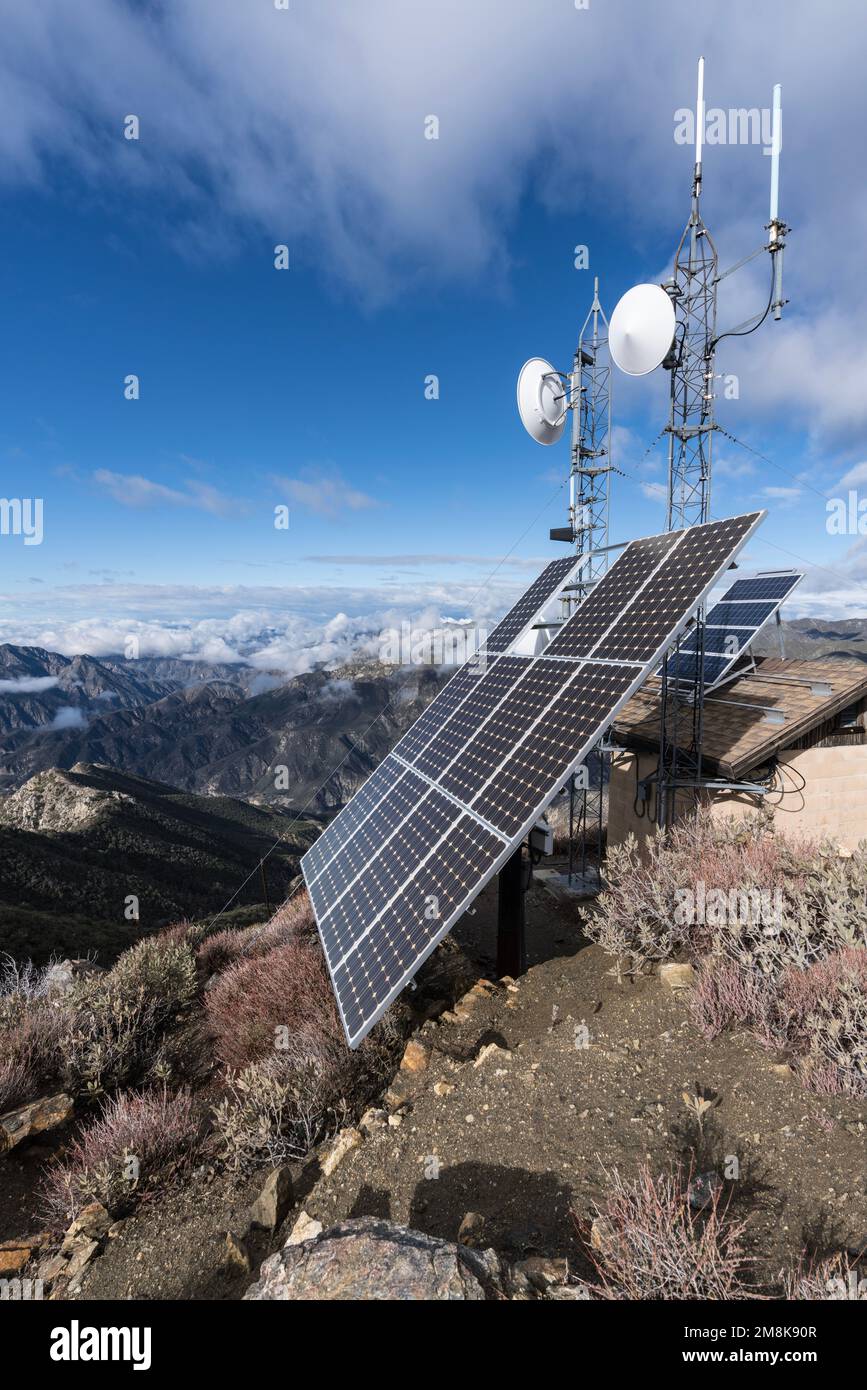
(541, 400)
(641, 329)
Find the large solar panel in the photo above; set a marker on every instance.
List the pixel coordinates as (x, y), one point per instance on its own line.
(455, 800)
(730, 627)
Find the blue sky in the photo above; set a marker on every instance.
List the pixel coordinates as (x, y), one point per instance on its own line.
(407, 257)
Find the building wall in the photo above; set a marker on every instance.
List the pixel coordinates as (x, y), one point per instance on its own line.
(832, 804)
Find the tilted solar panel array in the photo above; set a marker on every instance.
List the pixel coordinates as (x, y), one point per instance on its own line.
(730, 627)
(406, 857)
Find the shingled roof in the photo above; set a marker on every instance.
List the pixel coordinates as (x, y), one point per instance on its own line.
(737, 740)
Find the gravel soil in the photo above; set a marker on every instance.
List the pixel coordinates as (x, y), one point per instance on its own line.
(524, 1136)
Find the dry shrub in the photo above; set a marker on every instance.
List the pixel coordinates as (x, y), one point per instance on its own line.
(795, 975)
(839, 1276)
(818, 1015)
(17, 1083)
(656, 1246)
(33, 1028)
(279, 1108)
(119, 1019)
(224, 948)
(640, 917)
(219, 951)
(724, 995)
(291, 1077)
(256, 998)
(138, 1142)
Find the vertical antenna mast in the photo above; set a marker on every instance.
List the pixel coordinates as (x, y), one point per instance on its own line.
(589, 501)
(690, 429)
(691, 425)
(591, 444)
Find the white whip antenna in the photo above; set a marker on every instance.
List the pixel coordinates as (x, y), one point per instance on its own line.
(699, 122)
(777, 228)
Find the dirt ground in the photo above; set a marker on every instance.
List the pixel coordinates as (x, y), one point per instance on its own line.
(524, 1138)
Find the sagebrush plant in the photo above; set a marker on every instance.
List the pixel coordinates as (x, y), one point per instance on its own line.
(117, 1020)
(279, 1108)
(823, 897)
(656, 1245)
(138, 1142)
(799, 981)
(33, 1027)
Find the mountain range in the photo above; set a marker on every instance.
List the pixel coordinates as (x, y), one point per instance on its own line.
(218, 730)
(169, 781)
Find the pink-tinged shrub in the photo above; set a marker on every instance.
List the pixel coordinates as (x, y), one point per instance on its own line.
(17, 1083)
(818, 1015)
(140, 1141)
(653, 1244)
(725, 995)
(287, 989)
(839, 1276)
(219, 951)
(290, 1076)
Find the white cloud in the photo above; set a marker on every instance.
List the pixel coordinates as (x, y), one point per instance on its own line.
(655, 492)
(28, 685)
(272, 629)
(853, 479)
(68, 717)
(323, 494)
(132, 490)
(782, 494)
(241, 122)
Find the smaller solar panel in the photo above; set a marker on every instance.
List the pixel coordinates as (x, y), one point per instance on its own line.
(764, 586)
(730, 626)
(753, 615)
(721, 641)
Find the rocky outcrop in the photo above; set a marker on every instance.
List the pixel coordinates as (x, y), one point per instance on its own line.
(32, 1119)
(372, 1260)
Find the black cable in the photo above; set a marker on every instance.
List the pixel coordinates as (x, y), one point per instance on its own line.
(745, 332)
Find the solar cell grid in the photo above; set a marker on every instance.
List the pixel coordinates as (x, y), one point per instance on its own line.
(547, 752)
(408, 928)
(771, 586)
(462, 684)
(689, 568)
(721, 641)
(549, 581)
(367, 839)
(393, 863)
(685, 667)
(345, 823)
(450, 739)
(742, 614)
(633, 568)
(487, 747)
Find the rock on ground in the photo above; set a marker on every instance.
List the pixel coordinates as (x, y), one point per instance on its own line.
(34, 1118)
(272, 1205)
(368, 1259)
